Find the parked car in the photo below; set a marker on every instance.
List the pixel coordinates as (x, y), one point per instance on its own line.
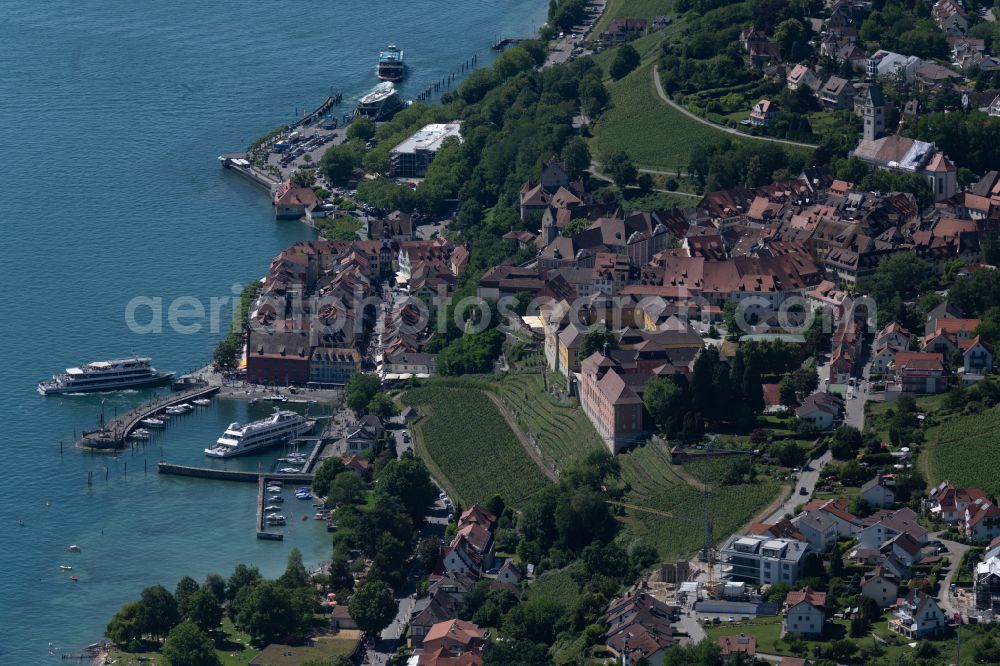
(803, 491)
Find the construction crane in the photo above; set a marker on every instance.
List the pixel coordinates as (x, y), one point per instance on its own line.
(707, 553)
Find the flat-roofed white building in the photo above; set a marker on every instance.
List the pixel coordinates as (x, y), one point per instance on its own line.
(411, 158)
(762, 559)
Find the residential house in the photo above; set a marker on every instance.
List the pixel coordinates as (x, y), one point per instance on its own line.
(510, 573)
(639, 627)
(819, 529)
(410, 363)
(738, 645)
(994, 108)
(762, 113)
(429, 611)
(880, 585)
(888, 64)
(837, 93)
(943, 311)
(977, 357)
(879, 491)
(821, 408)
(917, 616)
(884, 525)
(624, 30)
(951, 17)
(340, 618)
(948, 504)
(801, 75)
(805, 613)
(888, 342)
(762, 559)
(981, 522)
(454, 638)
(848, 525)
(919, 372)
(948, 334)
(904, 547)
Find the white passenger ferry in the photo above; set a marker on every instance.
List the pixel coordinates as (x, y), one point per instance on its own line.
(105, 376)
(279, 428)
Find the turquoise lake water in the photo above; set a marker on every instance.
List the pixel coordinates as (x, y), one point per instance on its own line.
(111, 115)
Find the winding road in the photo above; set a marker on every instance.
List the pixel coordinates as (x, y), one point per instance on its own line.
(729, 130)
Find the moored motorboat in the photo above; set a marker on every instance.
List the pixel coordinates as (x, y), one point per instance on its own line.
(74, 548)
(65, 567)
(202, 402)
(153, 422)
(139, 433)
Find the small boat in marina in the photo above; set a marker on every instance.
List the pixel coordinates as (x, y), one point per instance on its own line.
(276, 397)
(289, 470)
(153, 422)
(140, 433)
(272, 507)
(177, 410)
(65, 567)
(275, 499)
(202, 402)
(320, 515)
(74, 578)
(74, 548)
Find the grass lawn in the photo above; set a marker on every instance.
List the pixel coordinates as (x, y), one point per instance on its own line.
(231, 646)
(767, 631)
(470, 448)
(653, 134)
(323, 647)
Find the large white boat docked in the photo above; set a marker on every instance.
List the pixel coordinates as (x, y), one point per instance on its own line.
(105, 376)
(279, 428)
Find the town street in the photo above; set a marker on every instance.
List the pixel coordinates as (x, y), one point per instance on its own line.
(807, 479)
(955, 552)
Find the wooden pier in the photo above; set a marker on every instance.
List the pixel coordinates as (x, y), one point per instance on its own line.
(113, 435)
(261, 528)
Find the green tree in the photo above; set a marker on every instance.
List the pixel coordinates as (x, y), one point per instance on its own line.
(372, 607)
(160, 611)
(303, 178)
(408, 480)
(217, 585)
(791, 35)
(264, 610)
(327, 472)
(295, 574)
(186, 587)
(382, 406)
(126, 625)
(624, 62)
(341, 578)
(187, 645)
(845, 442)
(205, 610)
(427, 553)
(339, 162)
(360, 390)
(597, 340)
(523, 653)
(786, 391)
(346, 488)
(242, 576)
(619, 167)
(666, 403)
(576, 155)
(361, 128)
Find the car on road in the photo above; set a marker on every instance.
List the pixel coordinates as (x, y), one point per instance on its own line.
(803, 491)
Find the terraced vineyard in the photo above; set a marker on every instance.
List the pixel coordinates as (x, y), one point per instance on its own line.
(964, 450)
(656, 485)
(470, 444)
(561, 430)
